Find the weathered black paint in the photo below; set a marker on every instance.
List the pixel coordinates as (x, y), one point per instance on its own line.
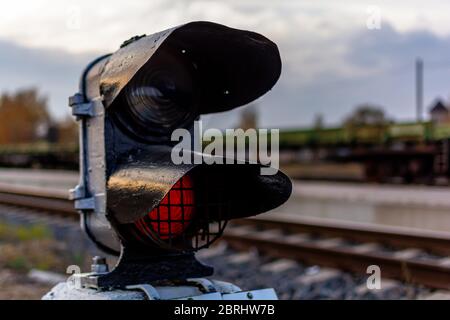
(136, 266)
(143, 177)
(244, 63)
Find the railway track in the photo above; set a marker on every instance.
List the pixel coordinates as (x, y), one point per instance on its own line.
(407, 256)
(431, 241)
(416, 257)
(53, 201)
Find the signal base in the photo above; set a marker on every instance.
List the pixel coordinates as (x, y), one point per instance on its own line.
(219, 291)
(135, 267)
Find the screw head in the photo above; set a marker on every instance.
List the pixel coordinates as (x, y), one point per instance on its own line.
(98, 260)
(99, 265)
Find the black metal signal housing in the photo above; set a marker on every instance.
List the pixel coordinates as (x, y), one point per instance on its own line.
(134, 200)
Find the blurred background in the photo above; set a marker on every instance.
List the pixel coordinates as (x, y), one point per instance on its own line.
(362, 106)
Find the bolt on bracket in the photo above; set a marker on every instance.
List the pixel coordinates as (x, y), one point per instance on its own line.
(80, 107)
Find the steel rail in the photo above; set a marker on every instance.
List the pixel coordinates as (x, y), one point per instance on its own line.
(53, 201)
(400, 237)
(433, 274)
(281, 237)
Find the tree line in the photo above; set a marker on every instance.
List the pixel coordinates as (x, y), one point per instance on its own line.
(25, 119)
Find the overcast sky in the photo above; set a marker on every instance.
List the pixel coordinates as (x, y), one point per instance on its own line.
(336, 54)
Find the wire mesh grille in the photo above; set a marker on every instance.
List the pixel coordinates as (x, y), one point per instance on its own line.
(189, 217)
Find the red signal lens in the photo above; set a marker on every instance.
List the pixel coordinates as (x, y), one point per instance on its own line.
(174, 213)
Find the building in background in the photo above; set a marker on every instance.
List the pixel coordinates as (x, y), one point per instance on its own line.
(439, 112)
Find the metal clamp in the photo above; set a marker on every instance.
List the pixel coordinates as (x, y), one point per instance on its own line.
(203, 284)
(85, 204)
(78, 194)
(80, 107)
(149, 290)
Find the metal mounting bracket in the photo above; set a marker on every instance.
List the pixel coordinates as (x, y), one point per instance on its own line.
(83, 109)
(81, 202)
(80, 107)
(85, 204)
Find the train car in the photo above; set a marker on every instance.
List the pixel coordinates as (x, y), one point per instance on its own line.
(366, 135)
(331, 136)
(399, 152)
(417, 132)
(409, 152)
(297, 137)
(40, 155)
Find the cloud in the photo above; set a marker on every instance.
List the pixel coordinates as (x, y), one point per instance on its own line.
(79, 25)
(331, 61)
(54, 72)
(331, 75)
(373, 66)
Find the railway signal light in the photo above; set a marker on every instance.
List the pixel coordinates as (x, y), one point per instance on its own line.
(134, 200)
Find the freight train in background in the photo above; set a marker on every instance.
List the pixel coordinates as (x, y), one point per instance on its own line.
(42, 155)
(390, 153)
